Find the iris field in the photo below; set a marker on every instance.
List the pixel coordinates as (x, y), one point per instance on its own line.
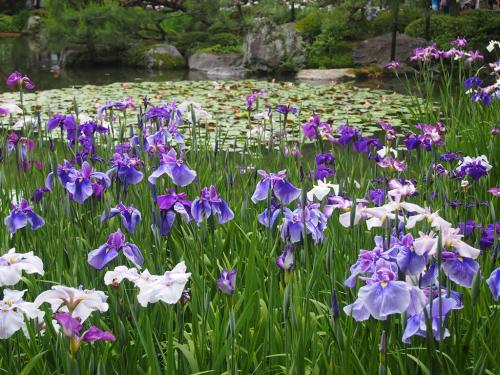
(139, 238)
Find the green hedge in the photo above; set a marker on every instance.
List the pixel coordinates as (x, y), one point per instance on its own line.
(478, 26)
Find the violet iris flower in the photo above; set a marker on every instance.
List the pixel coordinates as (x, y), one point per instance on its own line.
(130, 216)
(127, 103)
(276, 182)
(21, 215)
(368, 259)
(63, 122)
(209, 203)
(270, 214)
(377, 196)
(85, 183)
(286, 260)
(417, 324)
(315, 128)
(347, 134)
(310, 219)
(364, 144)
(286, 109)
(459, 269)
(408, 260)
(71, 327)
(488, 235)
(227, 281)
(126, 168)
(384, 294)
(474, 167)
(494, 283)
(38, 194)
(392, 65)
(171, 205)
(17, 79)
(175, 168)
(472, 83)
(100, 257)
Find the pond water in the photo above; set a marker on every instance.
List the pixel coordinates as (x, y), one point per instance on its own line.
(24, 54)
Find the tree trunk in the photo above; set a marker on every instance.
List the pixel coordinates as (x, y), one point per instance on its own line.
(292, 18)
(427, 18)
(395, 16)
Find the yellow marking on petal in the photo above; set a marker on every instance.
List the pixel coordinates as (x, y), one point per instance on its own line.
(384, 284)
(460, 259)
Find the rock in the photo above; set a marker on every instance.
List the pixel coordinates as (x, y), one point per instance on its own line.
(269, 47)
(324, 74)
(74, 56)
(218, 65)
(78, 55)
(32, 25)
(377, 50)
(155, 56)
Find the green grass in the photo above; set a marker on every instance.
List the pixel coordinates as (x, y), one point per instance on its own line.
(278, 328)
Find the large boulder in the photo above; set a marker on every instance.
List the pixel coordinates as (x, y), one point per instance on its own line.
(377, 50)
(218, 65)
(155, 56)
(269, 47)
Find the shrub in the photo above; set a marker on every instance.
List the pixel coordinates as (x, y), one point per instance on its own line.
(311, 25)
(383, 22)
(478, 26)
(6, 25)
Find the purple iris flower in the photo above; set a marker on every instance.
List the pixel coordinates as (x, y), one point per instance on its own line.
(467, 228)
(472, 83)
(408, 260)
(38, 194)
(323, 172)
(451, 156)
(227, 281)
(270, 214)
(377, 196)
(460, 270)
(488, 235)
(309, 220)
(111, 249)
(460, 42)
(347, 134)
(277, 182)
(326, 158)
(481, 96)
(127, 103)
(494, 283)
(412, 142)
(72, 327)
(474, 167)
(417, 324)
(171, 205)
(364, 144)
(21, 215)
(286, 109)
(166, 114)
(286, 260)
(126, 168)
(314, 128)
(175, 168)
(63, 122)
(392, 65)
(85, 183)
(368, 260)
(155, 144)
(17, 79)
(425, 54)
(209, 203)
(384, 294)
(130, 216)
